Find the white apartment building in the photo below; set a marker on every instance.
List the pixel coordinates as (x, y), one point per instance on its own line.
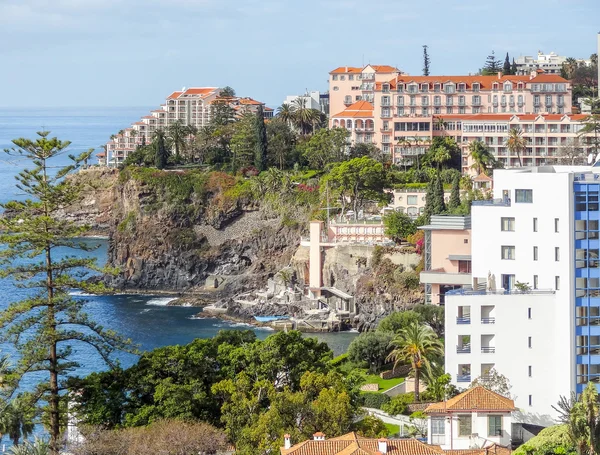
(312, 100)
(550, 63)
(533, 312)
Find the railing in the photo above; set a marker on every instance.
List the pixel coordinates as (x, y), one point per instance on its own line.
(463, 349)
(462, 291)
(488, 349)
(463, 378)
(464, 320)
(488, 320)
(495, 202)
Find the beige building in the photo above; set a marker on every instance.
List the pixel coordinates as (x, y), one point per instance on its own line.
(447, 250)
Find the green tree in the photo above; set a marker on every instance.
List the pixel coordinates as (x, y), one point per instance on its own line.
(483, 159)
(439, 387)
(399, 226)
(281, 142)
(326, 146)
(399, 404)
(356, 182)
(160, 149)
(584, 422)
(53, 320)
(433, 316)
(513, 67)
(590, 130)
(426, 61)
(492, 65)
(398, 321)
(227, 92)
(506, 67)
(360, 149)
(36, 447)
(370, 347)
(549, 441)
(176, 136)
(243, 142)
(416, 345)
(439, 204)
(285, 113)
(17, 418)
(371, 427)
(428, 210)
(261, 143)
(454, 201)
(304, 118)
(516, 143)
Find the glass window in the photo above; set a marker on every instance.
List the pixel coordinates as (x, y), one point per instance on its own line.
(507, 224)
(535, 281)
(438, 430)
(535, 253)
(508, 252)
(464, 425)
(535, 225)
(529, 341)
(524, 196)
(411, 200)
(555, 224)
(557, 254)
(557, 283)
(529, 371)
(494, 425)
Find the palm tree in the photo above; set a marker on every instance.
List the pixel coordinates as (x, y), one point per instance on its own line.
(303, 117)
(440, 155)
(37, 447)
(285, 113)
(516, 143)
(481, 156)
(417, 344)
(176, 134)
(17, 419)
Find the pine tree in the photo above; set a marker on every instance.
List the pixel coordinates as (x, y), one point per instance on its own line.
(506, 68)
(261, 146)
(426, 61)
(492, 65)
(513, 68)
(454, 202)
(160, 148)
(31, 233)
(428, 210)
(439, 204)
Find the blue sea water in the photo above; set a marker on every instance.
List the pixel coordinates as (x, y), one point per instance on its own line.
(145, 319)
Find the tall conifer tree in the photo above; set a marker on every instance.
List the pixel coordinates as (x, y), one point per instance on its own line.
(261, 146)
(506, 67)
(426, 61)
(48, 323)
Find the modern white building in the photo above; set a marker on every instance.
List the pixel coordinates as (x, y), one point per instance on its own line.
(550, 63)
(533, 312)
(312, 100)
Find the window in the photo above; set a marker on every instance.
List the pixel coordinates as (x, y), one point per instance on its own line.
(535, 281)
(528, 313)
(494, 425)
(535, 253)
(524, 196)
(535, 225)
(507, 224)
(508, 252)
(464, 266)
(466, 241)
(529, 370)
(557, 254)
(351, 77)
(529, 342)
(411, 200)
(530, 400)
(438, 429)
(557, 283)
(335, 77)
(464, 425)
(555, 224)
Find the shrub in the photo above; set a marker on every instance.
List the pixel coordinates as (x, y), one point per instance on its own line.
(373, 399)
(399, 404)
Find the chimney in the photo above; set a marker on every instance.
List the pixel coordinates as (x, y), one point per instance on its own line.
(382, 445)
(318, 436)
(346, 69)
(499, 74)
(286, 441)
(532, 74)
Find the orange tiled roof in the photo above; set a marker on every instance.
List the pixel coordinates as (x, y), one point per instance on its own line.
(174, 95)
(346, 69)
(482, 178)
(199, 90)
(493, 449)
(541, 77)
(384, 68)
(353, 444)
(354, 69)
(250, 101)
(475, 399)
(486, 82)
(358, 109)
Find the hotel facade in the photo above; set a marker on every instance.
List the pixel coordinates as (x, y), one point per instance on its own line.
(401, 114)
(190, 106)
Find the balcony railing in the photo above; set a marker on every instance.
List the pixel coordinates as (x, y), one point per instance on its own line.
(488, 320)
(463, 378)
(463, 320)
(496, 202)
(488, 349)
(463, 291)
(463, 349)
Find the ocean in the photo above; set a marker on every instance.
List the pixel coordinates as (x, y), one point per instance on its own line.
(145, 319)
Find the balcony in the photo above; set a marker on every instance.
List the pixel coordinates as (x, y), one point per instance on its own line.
(488, 349)
(463, 320)
(494, 202)
(463, 378)
(488, 320)
(466, 349)
(495, 103)
(440, 276)
(476, 102)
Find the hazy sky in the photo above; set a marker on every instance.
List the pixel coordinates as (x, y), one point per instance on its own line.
(135, 52)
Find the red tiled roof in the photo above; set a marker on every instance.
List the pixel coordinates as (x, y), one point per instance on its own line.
(384, 68)
(475, 399)
(358, 109)
(541, 77)
(486, 82)
(174, 95)
(493, 449)
(346, 69)
(353, 444)
(249, 101)
(199, 90)
(101, 154)
(482, 178)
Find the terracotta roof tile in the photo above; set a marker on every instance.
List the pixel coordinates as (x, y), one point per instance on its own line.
(493, 449)
(174, 95)
(346, 69)
(353, 444)
(482, 178)
(358, 109)
(486, 82)
(475, 399)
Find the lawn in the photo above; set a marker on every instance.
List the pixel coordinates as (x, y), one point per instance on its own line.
(384, 384)
(392, 429)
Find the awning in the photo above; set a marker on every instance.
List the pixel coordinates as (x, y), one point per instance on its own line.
(459, 257)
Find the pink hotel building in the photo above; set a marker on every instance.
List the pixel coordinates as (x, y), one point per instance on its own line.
(401, 113)
(190, 106)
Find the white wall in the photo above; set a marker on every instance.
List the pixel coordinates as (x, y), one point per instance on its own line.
(550, 366)
(479, 432)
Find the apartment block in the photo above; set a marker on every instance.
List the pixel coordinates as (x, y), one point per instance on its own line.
(401, 114)
(190, 106)
(533, 310)
(550, 63)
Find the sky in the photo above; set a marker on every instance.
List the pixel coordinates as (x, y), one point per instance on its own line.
(57, 53)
